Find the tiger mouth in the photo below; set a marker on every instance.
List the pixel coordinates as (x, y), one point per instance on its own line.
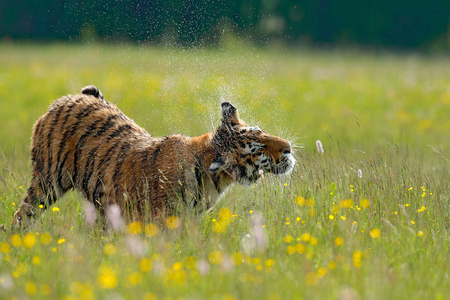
(249, 174)
(285, 166)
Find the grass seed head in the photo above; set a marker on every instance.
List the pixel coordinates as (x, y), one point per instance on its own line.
(319, 147)
(115, 221)
(90, 215)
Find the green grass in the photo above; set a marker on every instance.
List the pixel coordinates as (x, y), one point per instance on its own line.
(387, 115)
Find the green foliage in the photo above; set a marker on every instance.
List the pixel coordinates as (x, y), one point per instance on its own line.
(324, 232)
(418, 24)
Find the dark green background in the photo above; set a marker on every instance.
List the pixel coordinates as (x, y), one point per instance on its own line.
(413, 24)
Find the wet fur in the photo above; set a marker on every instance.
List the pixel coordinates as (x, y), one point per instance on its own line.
(86, 143)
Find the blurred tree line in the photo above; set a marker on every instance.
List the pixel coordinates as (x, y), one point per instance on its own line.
(380, 23)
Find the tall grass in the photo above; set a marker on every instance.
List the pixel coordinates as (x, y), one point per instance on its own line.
(320, 233)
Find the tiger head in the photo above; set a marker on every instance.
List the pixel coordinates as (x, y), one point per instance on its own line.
(243, 151)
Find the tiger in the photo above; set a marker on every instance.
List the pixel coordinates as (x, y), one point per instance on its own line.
(85, 143)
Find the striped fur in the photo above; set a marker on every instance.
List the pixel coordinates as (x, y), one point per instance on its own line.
(86, 143)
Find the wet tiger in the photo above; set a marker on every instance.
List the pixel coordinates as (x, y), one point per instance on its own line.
(85, 143)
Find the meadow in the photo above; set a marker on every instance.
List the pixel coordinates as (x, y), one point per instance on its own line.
(321, 233)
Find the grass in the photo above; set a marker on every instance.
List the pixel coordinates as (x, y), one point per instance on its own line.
(321, 233)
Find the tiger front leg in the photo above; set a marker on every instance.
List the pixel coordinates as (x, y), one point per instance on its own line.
(23, 215)
(36, 195)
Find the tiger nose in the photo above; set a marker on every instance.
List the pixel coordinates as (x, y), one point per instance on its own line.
(288, 149)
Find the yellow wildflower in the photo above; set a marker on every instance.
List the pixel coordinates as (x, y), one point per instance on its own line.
(334, 210)
(173, 222)
(150, 296)
(145, 265)
(46, 238)
(227, 297)
(151, 230)
(29, 240)
(178, 276)
(16, 240)
(109, 249)
(30, 288)
(312, 212)
(61, 241)
(190, 263)
(177, 266)
(237, 258)
(215, 257)
(5, 248)
(421, 209)
(339, 241)
(288, 239)
(290, 250)
(107, 278)
(375, 233)
(347, 203)
(224, 220)
(300, 201)
(357, 256)
(21, 269)
(364, 203)
(134, 228)
(321, 271)
(299, 248)
(55, 209)
(420, 233)
(306, 237)
(135, 278)
(36, 260)
(225, 214)
(269, 263)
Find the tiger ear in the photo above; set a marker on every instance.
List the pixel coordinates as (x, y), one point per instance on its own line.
(216, 164)
(230, 114)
